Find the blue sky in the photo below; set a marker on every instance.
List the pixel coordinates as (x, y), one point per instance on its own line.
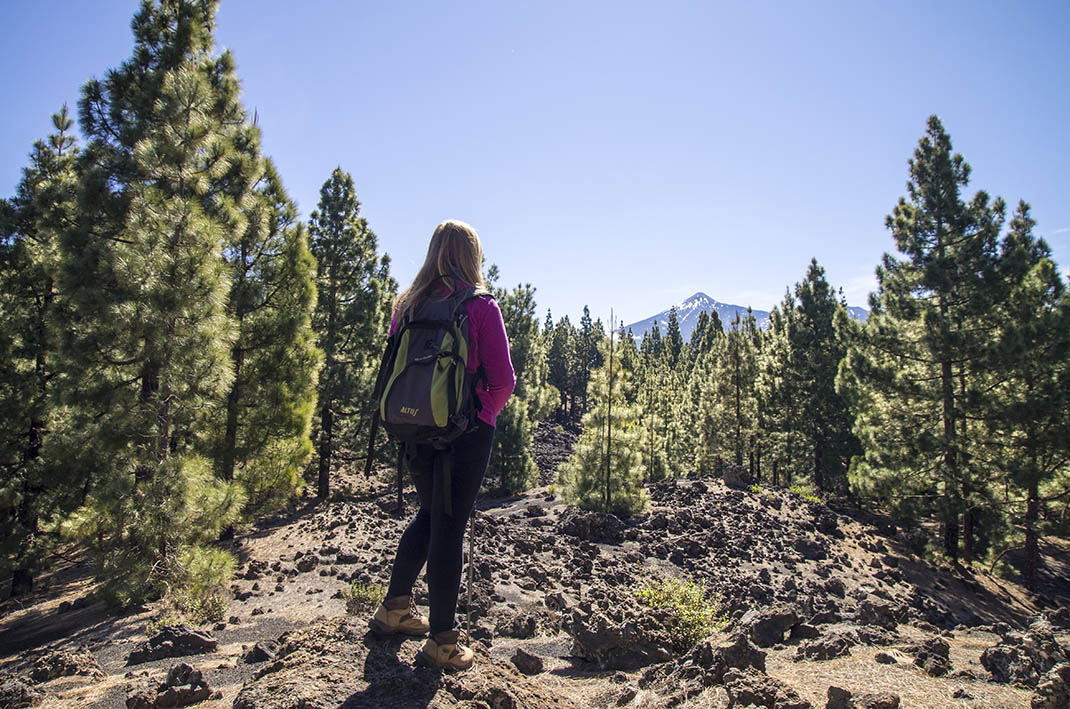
(616, 154)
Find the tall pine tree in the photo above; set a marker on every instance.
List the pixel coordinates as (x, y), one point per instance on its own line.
(911, 372)
(146, 352)
(355, 296)
(265, 417)
(32, 488)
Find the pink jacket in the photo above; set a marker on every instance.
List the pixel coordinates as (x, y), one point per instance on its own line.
(488, 346)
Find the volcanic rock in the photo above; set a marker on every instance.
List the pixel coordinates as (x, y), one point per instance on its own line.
(526, 662)
(617, 646)
(261, 652)
(934, 657)
(839, 698)
(1053, 689)
(736, 477)
(826, 648)
(591, 526)
(767, 628)
(749, 687)
(63, 664)
(185, 685)
(173, 641)
(1021, 658)
(17, 693)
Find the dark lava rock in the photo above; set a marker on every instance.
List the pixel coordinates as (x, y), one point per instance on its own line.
(1053, 689)
(184, 686)
(767, 628)
(804, 631)
(618, 646)
(261, 652)
(1059, 619)
(839, 698)
(16, 693)
(934, 657)
(736, 477)
(749, 687)
(881, 613)
(63, 664)
(811, 549)
(1021, 658)
(705, 665)
(308, 562)
(826, 648)
(885, 659)
(591, 526)
(173, 641)
(526, 662)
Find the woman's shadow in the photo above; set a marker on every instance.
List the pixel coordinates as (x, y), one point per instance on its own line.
(393, 682)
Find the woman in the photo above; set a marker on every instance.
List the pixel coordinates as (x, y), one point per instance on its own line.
(432, 536)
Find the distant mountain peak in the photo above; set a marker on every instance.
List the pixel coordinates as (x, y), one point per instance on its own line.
(687, 314)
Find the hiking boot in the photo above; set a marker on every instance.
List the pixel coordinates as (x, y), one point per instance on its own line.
(398, 615)
(442, 651)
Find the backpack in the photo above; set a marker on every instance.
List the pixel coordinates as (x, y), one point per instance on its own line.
(423, 394)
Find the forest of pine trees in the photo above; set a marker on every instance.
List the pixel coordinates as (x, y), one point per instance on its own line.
(180, 354)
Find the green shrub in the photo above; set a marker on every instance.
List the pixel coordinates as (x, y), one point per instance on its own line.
(202, 575)
(756, 489)
(693, 616)
(362, 597)
(805, 491)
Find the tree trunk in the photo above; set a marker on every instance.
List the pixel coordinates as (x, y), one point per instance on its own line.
(325, 451)
(230, 437)
(1032, 550)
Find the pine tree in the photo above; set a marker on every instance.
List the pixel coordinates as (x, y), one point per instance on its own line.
(586, 349)
(816, 352)
(1027, 414)
(32, 488)
(146, 351)
(728, 405)
(779, 392)
(512, 466)
(560, 361)
(355, 293)
(265, 417)
(607, 456)
(910, 372)
(674, 341)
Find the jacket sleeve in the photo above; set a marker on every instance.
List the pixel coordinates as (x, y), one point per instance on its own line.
(494, 356)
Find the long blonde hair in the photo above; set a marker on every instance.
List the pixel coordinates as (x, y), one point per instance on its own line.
(454, 252)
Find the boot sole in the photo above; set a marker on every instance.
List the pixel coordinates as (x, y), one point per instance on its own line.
(383, 630)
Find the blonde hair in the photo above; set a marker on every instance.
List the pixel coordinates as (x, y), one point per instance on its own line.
(454, 252)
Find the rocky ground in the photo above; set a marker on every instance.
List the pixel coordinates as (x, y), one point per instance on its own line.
(819, 609)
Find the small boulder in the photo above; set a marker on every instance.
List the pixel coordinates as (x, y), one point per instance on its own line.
(16, 693)
(57, 663)
(261, 652)
(173, 641)
(748, 687)
(831, 646)
(737, 477)
(934, 657)
(1053, 689)
(526, 662)
(766, 628)
(1021, 658)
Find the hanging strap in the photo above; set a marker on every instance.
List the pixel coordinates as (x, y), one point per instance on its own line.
(371, 443)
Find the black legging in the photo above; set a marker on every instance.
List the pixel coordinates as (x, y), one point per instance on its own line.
(434, 536)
